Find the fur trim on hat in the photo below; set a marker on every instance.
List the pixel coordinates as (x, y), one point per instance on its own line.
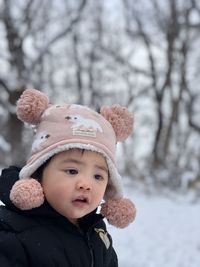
(114, 188)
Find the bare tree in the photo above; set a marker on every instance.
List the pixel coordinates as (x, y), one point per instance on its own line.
(143, 55)
(170, 83)
(28, 69)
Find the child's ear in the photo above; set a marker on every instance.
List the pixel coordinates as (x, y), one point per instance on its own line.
(120, 119)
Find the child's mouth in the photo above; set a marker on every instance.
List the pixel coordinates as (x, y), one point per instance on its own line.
(81, 201)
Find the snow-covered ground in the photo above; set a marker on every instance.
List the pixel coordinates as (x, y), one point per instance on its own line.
(166, 232)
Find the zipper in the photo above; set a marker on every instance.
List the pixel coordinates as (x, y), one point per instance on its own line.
(90, 249)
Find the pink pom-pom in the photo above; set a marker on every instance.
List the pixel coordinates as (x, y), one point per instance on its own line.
(119, 212)
(30, 106)
(120, 119)
(27, 194)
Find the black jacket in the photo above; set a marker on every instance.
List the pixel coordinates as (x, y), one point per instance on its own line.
(43, 238)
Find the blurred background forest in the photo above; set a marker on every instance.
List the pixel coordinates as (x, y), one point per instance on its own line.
(141, 54)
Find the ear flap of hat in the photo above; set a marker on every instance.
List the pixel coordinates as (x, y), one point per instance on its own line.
(30, 106)
(119, 212)
(120, 119)
(27, 194)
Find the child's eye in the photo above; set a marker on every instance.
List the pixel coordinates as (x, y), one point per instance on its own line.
(99, 177)
(71, 171)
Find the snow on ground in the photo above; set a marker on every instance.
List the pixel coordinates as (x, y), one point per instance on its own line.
(166, 232)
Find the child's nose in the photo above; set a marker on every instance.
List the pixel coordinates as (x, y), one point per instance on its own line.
(84, 185)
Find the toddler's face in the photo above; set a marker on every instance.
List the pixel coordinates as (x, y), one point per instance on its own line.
(74, 182)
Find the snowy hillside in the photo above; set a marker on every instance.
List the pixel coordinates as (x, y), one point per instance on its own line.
(166, 233)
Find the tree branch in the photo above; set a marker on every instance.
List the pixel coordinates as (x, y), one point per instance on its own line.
(60, 35)
(4, 86)
(190, 119)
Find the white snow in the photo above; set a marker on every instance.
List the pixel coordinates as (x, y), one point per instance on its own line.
(166, 232)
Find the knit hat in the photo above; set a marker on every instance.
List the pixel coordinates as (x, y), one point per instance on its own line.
(62, 127)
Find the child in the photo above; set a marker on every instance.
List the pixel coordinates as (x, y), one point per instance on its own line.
(51, 214)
